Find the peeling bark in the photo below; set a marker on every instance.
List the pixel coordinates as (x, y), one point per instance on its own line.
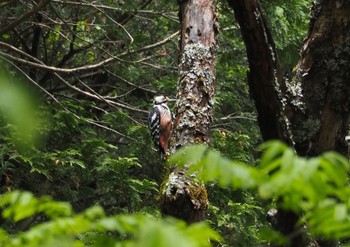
(184, 197)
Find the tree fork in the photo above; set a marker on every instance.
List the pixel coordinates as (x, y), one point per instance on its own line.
(183, 196)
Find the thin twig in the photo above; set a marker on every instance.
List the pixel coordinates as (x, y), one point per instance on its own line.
(109, 129)
(130, 83)
(75, 99)
(88, 67)
(117, 23)
(34, 82)
(63, 107)
(98, 97)
(21, 18)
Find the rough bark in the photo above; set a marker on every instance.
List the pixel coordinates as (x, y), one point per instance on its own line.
(264, 77)
(184, 197)
(267, 88)
(321, 86)
(311, 112)
(319, 103)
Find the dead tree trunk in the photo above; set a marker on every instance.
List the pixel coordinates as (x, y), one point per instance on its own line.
(311, 113)
(184, 197)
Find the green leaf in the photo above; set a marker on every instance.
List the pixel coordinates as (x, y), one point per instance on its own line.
(211, 166)
(271, 151)
(159, 234)
(190, 154)
(20, 205)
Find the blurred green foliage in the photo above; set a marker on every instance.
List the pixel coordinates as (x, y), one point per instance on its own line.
(316, 188)
(17, 108)
(63, 227)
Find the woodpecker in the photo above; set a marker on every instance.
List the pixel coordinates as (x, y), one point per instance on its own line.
(160, 124)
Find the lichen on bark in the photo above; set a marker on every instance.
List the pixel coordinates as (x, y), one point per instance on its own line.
(183, 196)
(195, 95)
(321, 114)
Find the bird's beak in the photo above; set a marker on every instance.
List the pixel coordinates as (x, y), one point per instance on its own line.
(171, 100)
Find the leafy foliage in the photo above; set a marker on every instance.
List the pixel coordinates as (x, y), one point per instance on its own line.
(17, 104)
(92, 227)
(288, 21)
(316, 187)
(319, 189)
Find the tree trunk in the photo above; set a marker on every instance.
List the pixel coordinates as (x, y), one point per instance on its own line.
(264, 77)
(311, 113)
(267, 88)
(184, 197)
(320, 119)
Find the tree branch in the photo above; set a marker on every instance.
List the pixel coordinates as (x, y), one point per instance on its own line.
(63, 107)
(87, 67)
(90, 95)
(132, 84)
(116, 22)
(23, 17)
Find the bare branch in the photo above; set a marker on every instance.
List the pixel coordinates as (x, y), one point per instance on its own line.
(117, 23)
(56, 69)
(232, 116)
(95, 96)
(116, 9)
(63, 107)
(104, 99)
(34, 82)
(160, 67)
(132, 84)
(99, 97)
(95, 66)
(160, 43)
(92, 5)
(108, 128)
(77, 100)
(6, 3)
(26, 15)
